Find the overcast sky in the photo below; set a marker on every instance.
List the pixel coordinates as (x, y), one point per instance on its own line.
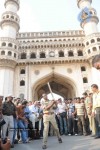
(49, 15)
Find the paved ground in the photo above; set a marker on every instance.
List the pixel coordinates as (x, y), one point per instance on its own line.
(69, 143)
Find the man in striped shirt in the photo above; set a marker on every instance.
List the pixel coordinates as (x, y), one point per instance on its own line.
(81, 113)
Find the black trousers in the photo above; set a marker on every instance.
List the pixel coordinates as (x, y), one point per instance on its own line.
(87, 125)
(70, 125)
(75, 126)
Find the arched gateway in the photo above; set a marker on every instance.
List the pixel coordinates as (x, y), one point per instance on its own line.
(61, 85)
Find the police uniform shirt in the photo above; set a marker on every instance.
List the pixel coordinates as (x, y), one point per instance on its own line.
(44, 104)
(88, 101)
(96, 101)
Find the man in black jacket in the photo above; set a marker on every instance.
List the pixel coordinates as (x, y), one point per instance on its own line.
(9, 111)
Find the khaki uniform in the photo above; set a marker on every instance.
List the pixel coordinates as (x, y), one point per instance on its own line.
(88, 101)
(96, 101)
(48, 116)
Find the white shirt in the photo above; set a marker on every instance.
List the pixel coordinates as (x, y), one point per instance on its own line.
(33, 108)
(56, 111)
(61, 107)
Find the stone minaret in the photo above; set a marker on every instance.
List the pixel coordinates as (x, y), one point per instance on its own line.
(88, 21)
(88, 16)
(8, 46)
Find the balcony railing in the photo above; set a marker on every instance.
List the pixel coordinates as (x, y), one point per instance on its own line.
(51, 34)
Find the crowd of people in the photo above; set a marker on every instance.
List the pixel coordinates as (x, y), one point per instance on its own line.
(22, 120)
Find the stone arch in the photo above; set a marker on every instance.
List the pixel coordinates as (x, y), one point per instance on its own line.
(4, 44)
(80, 53)
(61, 53)
(60, 84)
(9, 53)
(42, 55)
(83, 68)
(22, 71)
(15, 55)
(92, 41)
(2, 52)
(94, 49)
(87, 43)
(33, 55)
(10, 45)
(85, 80)
(23, 55)
(12, 17)
(98, 39)
(70, 53)
(7, 16)
(22, 83)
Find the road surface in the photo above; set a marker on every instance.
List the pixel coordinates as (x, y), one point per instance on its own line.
(69, 143)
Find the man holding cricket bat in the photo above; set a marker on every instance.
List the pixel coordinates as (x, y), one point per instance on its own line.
(49, 116)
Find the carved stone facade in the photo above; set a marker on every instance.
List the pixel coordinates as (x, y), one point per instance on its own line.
(28, 61)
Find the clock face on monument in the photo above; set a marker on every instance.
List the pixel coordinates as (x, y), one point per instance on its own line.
(84, 15)
(51, 54)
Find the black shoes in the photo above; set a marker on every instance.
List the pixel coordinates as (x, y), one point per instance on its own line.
(60, 140)
(92, 135)
(44, 147)
(85, 134)
(97, 137)
(12, 146)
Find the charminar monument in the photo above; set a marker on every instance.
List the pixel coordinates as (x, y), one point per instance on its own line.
(63, 58)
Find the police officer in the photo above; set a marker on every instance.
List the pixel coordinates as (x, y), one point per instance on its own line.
(96, 108)
(49, 116)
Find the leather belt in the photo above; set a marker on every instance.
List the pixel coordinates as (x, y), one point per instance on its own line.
(97, 108)
(49, 113)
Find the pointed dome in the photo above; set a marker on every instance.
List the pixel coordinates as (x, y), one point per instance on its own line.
(79, 1)
(17, 2)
